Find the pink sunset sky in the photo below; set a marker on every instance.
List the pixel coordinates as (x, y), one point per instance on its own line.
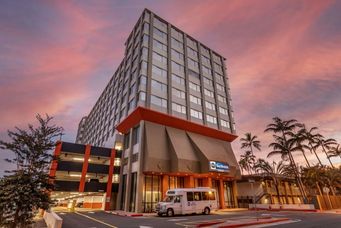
(283, 58)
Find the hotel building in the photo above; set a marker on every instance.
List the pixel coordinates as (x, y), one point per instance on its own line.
(167, 110)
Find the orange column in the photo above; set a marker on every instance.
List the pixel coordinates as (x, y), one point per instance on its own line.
(84, 168)
(221, 194)
(189, 182)
(109, 184)
(53, 168)
(207, 182)
(165, 185)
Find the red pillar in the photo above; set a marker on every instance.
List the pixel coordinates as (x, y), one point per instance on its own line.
(189, 182)
(109, 184)
(221, 194)
(84, 168)
(207, 182)
(54, 165)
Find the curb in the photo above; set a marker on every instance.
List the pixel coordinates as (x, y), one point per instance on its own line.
(209, 223)
(301, 210)
(254, 223)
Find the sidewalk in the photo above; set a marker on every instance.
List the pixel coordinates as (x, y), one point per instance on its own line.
(131, 214)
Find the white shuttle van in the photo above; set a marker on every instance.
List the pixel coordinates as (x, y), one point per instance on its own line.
(187, 201)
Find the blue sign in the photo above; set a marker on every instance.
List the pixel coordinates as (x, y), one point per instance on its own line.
(219, 166)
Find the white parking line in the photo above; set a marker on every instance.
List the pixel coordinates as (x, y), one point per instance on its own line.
(275, 224)
(176, 220)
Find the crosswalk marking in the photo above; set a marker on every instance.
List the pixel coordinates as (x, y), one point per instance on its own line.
(176, 220)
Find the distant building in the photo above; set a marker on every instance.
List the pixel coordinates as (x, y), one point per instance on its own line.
(168, 107)
(265, 190)
(80, 132)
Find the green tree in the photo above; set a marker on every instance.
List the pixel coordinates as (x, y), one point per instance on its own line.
(27, 188)
(334, 151)
(249, 142)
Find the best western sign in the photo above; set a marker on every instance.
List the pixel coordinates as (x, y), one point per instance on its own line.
(219, 166)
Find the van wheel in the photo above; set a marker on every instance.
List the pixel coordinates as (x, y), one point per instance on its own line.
(206, 211)
(159, 214)
(170, 212)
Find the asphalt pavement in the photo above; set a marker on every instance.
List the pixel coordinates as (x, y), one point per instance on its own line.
(101, 219)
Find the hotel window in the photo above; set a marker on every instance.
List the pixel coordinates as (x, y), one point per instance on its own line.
(220, 87)
(178, 93)
(177, 34)
(224, 123)
(192, 52)
(131, 104)
(194, 86)
(117, 161)
(142, 96)
(223, 111)
(196, 114)
(208, 81)
(160, 58)
(116, 178)
(193, 64)
(136, 135)
(178, 79)
(179, 108)
(159, 23)
(143, 80)
(126, 141)
(176, 43)
(144, 66)
(195, 100)
(177, 55)
(217, 67)
(205, 60)
(158, 101)
(144, 53)
(159, 45)
(193, 74)
(177, 67)
(145, 39)
(209, 93)
(159, 72)
(210, 105)
(132, 89)
(222, 99)
(146, 27)
(219, 77)
(204, 50)
(159, 33)
(211, 119)
(159, 86)
(191, 42)
(206, 70)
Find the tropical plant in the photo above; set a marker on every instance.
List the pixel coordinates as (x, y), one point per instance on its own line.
(274, 170)
(312, 140)
(326, 145)
(247, 161)
(285, 144)
(334, 151)
(312, 178)
(249, 142)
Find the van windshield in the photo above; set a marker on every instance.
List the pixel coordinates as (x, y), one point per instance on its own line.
(168, 199)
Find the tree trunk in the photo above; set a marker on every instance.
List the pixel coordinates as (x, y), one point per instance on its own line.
(306, 159)
(327, 157)
(316, 154)
(318, 188)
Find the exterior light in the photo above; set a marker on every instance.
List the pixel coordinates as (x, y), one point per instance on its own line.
(78, 159)
(75, 175)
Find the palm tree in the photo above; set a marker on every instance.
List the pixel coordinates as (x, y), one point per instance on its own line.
(326, 144)
(250, 142)
(312, 140)
(334, 151)
(299, 138)
(275, 171)
(286, 144)
(247, 161)
(332, 176)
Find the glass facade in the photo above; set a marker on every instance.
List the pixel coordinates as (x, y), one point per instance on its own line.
(152, 192)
